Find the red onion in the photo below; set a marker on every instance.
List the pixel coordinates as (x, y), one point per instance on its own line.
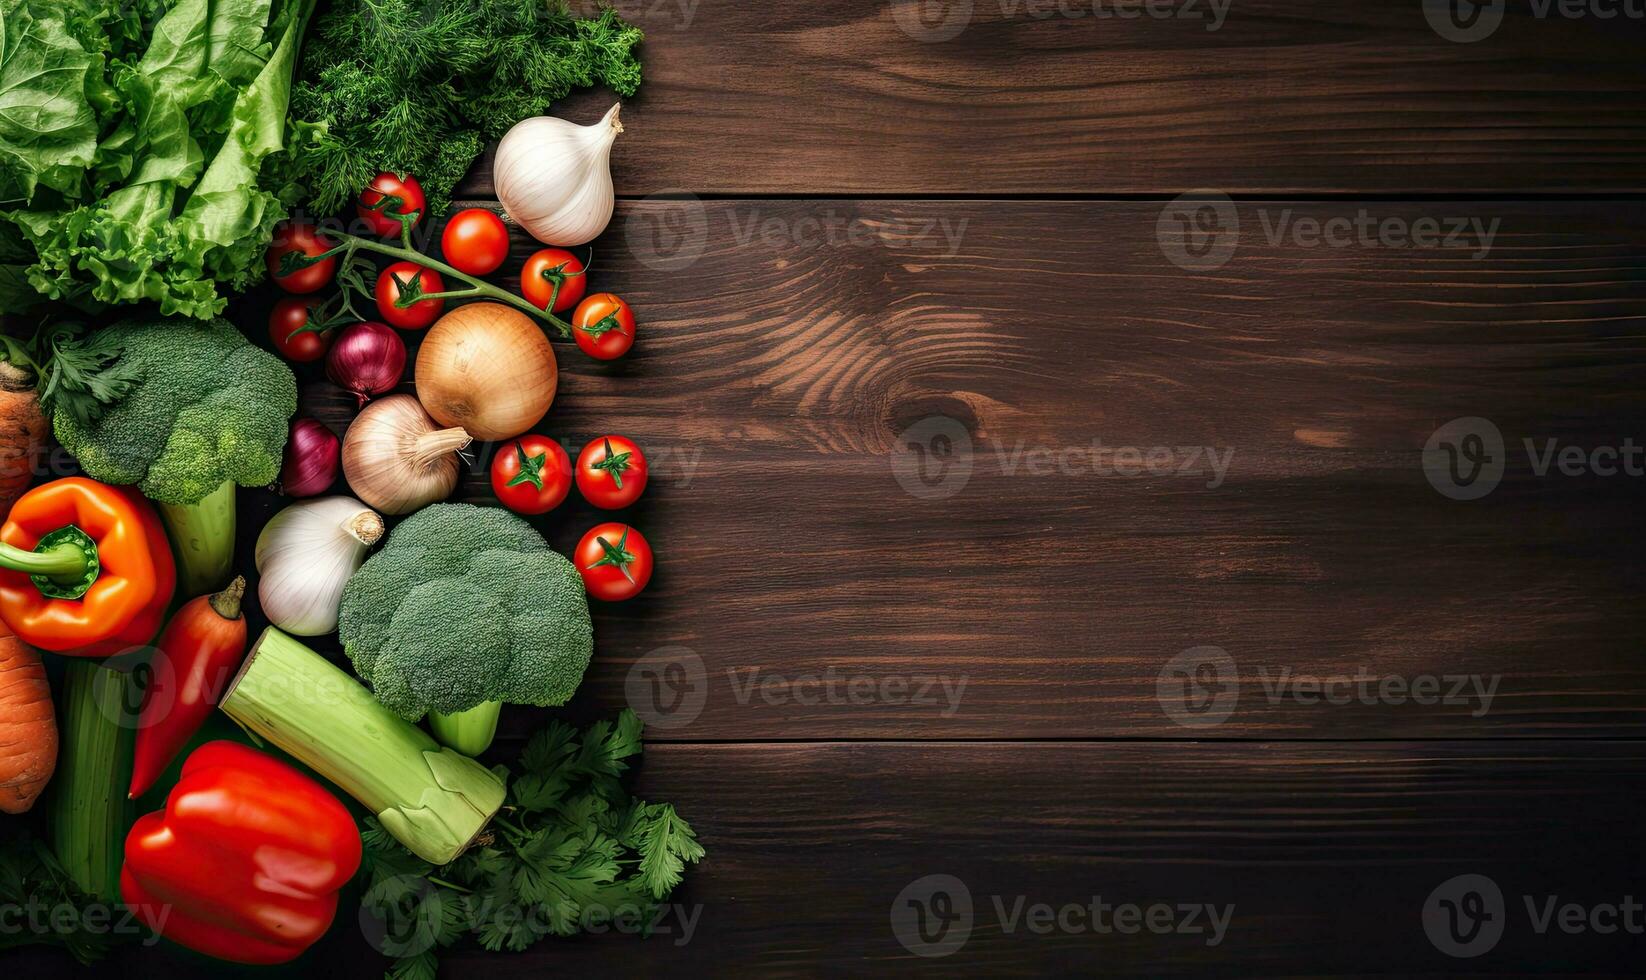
(312, 458)
(367, 359)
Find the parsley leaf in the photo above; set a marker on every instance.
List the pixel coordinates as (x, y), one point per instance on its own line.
(570, 847)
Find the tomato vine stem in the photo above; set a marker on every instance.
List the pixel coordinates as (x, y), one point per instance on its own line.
(477, 288)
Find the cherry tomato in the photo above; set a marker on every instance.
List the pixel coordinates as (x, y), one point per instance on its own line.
(388, 194)
(296, 236)
(611, 472)
(604, 326)
(420, 313)
(289, 316)
(531, 475)
(615, 562)
(475, 241)
(546, 268)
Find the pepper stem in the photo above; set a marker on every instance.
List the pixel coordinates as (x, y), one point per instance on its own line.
(63, 565)
(65, 561)
(227, 602)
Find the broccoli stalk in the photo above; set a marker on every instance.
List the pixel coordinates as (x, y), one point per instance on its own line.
(202, 538)
(469, 732)
(463, 610)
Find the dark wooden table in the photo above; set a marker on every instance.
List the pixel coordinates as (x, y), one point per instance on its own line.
(1032, 537)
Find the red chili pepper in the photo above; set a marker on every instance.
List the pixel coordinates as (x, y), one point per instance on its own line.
(197, 654)
(245, 861)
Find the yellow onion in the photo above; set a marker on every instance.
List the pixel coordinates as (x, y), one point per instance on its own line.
(487, 368)
(397, 460)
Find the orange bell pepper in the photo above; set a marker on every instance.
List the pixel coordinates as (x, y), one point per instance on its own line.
(85, 569)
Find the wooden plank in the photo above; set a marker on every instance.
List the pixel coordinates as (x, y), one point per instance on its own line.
(1327, 853)
(779, 377)
(1283, 96)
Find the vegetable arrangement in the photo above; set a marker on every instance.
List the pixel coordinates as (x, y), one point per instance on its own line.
(151, 156)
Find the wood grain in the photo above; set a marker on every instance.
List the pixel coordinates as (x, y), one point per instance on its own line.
(1327, 853)
(821, 599)
(1284, 96)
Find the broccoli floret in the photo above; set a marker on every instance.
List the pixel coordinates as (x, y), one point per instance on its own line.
(466, 605)
(197, 407)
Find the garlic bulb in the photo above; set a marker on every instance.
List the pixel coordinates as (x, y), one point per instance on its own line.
(306, 555)
(397, 460)
(554, 177)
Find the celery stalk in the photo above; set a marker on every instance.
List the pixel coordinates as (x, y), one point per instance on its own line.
(89, 814)
(469, 732)
(202, 539)
(433, 800)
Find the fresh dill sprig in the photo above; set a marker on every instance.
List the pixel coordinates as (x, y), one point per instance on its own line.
(419, 86)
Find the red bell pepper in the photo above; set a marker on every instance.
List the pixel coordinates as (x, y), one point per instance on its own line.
(247, 857)
(197, 654)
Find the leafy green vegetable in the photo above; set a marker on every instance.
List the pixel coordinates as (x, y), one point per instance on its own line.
(34, 883)
(419, 85)
(140, 148)
(466, 605)
(568, 846)
(192, 406)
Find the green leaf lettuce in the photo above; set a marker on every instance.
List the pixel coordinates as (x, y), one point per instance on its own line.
(141, 147)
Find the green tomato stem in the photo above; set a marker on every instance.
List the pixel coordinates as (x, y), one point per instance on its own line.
(478, 288)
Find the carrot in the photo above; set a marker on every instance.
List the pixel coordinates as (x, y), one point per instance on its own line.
(22, 435)
(28, 727)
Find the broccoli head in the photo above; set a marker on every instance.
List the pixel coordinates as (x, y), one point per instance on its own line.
(187, 406)
(466, 605)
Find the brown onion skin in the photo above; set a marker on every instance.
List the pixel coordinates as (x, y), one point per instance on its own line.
(488, 369)
(367, 359)
(313, 459)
